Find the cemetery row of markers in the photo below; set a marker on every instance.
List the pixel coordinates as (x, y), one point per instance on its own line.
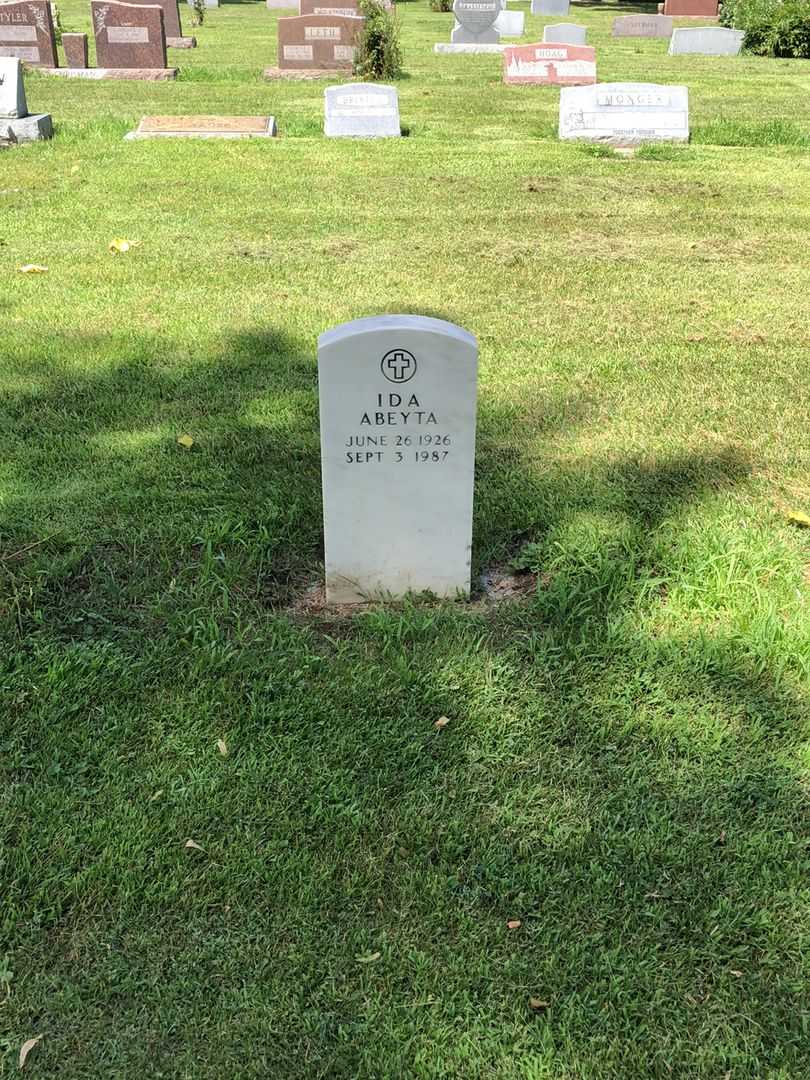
(131, 42)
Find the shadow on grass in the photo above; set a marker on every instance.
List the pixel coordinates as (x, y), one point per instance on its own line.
(616, 774)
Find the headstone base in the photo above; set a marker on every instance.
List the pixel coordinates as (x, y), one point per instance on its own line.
(449, 47)
(204, 127)
(142, 74)
(181, 43)
(306, 73)
(26, 129)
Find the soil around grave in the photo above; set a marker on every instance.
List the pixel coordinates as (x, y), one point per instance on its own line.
(496, 585)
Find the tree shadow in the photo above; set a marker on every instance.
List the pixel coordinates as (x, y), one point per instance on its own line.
(618, 777)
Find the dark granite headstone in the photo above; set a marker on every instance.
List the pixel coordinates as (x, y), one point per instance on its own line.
(26, 31)
(318, 42)
(75, 46)
(171, 15)
(128, 35)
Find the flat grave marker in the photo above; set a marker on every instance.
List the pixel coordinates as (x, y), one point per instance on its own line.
(398, 410)
(204, 127)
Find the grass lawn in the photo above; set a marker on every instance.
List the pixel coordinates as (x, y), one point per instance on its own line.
(625, 767)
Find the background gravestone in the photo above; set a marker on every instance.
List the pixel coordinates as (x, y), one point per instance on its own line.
(625, 114)
(476, 19)
(652, 26)
(171, 21)
(26, 32)
(510, 23)
(703, 9)
(128, 35)
(397, 406)
(318, 42)
(705, 41)
(75, 48)
(552, 64)
(324, 7)
(550, 7)
(361, 111)
(569, 33)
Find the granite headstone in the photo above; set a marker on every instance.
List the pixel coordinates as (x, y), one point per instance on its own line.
(361, 111)
(75, 47)
(476, 22)
(625, 114)
(648, 26)
(569, 33)
(705, 41)
(549, 64)
(128, 35)
(26, 32)
(318, 42)
(397, 409)
(550, 7)
(691, 9)
(16, 124)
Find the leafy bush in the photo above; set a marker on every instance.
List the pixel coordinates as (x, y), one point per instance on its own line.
(378, 53)
(198, 9)
(441, 5)
(772, 27)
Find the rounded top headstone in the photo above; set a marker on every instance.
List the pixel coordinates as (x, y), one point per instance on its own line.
(476, 16)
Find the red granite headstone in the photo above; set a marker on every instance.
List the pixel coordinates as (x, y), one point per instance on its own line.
(75, 46)
(26, 31)
(128, 35)
(171, 15)
(703, 9)
(318, 42)
(550, 64)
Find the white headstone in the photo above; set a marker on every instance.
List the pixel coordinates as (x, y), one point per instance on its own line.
(643, 26)
(361, 110)
(567, 33)
(510, 23)
(625, 114)
(705, 41)
(397, 406)
(550, 7)
(12, 91)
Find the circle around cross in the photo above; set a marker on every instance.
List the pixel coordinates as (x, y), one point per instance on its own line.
(398, 365)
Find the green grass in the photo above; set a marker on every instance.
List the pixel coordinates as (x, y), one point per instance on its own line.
(625, 768)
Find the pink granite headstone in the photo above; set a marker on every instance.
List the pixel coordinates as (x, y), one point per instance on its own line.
(75, 46)
(679, 9)
(550, 64)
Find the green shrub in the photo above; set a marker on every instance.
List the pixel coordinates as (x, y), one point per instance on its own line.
(378, 52)
(441, 5)
(772, 27)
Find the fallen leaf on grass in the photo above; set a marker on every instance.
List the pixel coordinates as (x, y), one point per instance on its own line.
(796, 517)
(26, 1049)
(32, 268)
(186, 441)
(368, 958)
(514, 924)
(193, 844)
(119, 246)
(158, 793)
(537, 1004)
(736, 974)
(222, 746)
(442, 722)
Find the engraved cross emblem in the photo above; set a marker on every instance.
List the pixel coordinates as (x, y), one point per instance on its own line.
(398, 364)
